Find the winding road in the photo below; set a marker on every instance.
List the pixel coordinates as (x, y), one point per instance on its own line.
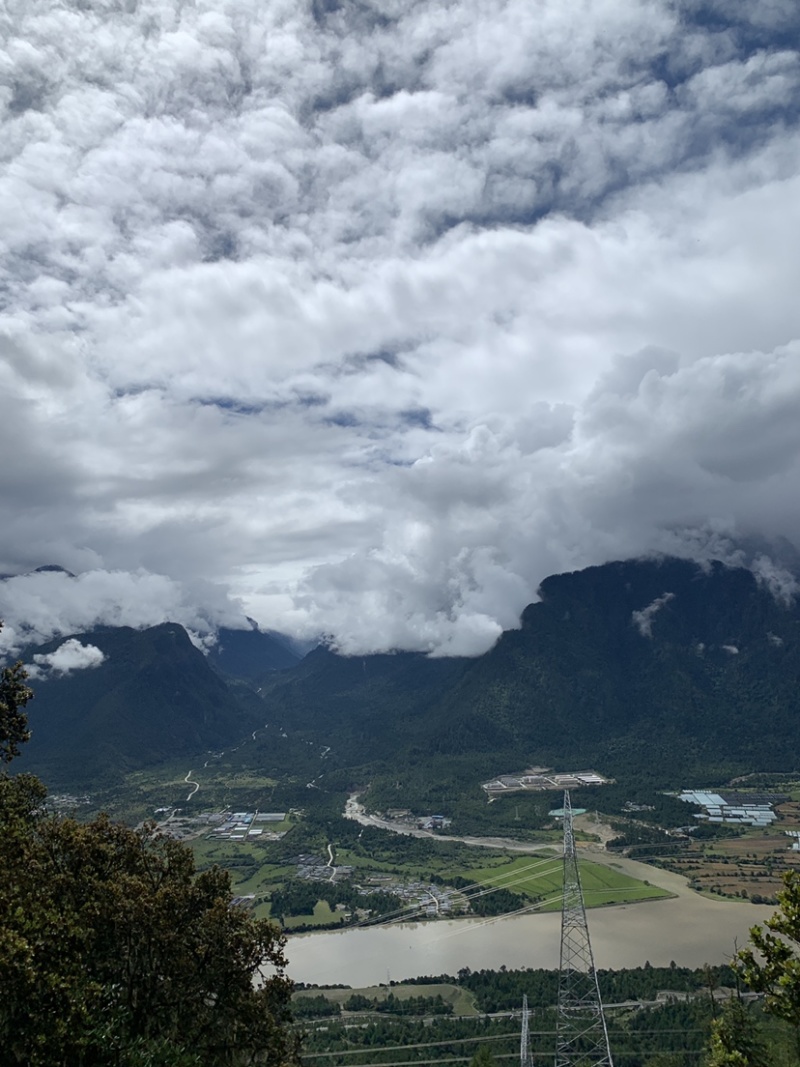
(354, 810)
(190, 781)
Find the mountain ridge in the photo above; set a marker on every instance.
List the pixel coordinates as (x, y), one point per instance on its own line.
(656, 666)
(580, 679)
(153, 696)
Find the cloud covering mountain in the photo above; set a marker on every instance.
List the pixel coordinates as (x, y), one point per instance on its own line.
(364, 317)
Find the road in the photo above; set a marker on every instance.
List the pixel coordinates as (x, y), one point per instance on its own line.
(330, 863)
(354, 810)
(189, 781)
(674, 883)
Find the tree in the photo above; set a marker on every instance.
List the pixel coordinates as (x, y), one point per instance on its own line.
(735, 1039)
(482, 1058)
(771, 964)
(112, 943)
(14, 695)
(114, 950)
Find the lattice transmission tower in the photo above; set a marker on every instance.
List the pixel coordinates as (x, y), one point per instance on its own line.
(525, 1054)
(581, 1031)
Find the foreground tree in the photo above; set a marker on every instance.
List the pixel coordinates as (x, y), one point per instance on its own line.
(771, 965)
(14, 695)
(735, 1039)
(114, 950)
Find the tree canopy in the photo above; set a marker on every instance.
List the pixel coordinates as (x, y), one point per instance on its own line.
(14, 695)
(771, 964)
(114, 950)
(736, 1039)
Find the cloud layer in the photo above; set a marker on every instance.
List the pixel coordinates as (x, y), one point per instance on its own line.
(364, 317)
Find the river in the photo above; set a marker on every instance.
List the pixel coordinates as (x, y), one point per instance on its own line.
(690, 929)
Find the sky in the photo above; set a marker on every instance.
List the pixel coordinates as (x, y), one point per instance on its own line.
(361, 317)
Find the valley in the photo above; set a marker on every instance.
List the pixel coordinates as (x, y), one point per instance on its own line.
(313, 845)
(349, 793)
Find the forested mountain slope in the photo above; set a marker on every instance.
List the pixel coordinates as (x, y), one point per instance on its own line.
(654, 667)
(249, 653)
(654, 663)
(153, 697)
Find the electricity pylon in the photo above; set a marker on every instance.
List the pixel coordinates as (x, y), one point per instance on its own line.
(581, 1032)
(525, 1054)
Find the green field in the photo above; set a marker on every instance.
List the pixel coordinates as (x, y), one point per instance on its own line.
(323, 915)
(462, 1000)
(534, 877)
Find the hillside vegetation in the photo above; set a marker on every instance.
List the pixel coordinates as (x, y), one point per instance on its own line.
(153, 697)
(649, 667)
(653, 671)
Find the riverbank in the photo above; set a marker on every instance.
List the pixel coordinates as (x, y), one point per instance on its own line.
(690, 929)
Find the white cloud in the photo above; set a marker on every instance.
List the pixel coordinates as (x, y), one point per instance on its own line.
(644, 619)
(781, 583)
(71, 656)
(38, 607)
(372, 315)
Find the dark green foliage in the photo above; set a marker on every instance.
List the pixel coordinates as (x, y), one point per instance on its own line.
(674, 1031)
(320, 827)
(450, 785)
(344, 693)
(771, 965)
(113, 951)
(154, 697)
(314, 1007)
(642, 841)
(14, 695)
(393, 1005)
(498, 902)
(650, 805)
(577, 685)
(251, 653)
(482, 1058)
(736, 1039)
(503, 990)
(298, 897)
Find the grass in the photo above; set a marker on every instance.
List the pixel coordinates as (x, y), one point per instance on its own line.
(468, 860)
(543, 878)
(462, 1000)
(323, 914)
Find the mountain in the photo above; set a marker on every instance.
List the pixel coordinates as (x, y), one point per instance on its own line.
(657, 669)
(650, 666)
(251, 653)
(154, 696)
(366, 702)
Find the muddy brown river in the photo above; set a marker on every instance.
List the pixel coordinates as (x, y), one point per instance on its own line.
(689, 929)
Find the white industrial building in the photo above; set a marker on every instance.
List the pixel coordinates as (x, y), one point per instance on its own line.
(717, 809)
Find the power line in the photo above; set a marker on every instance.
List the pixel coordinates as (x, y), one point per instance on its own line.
(512, 1055)
(508, 1036)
